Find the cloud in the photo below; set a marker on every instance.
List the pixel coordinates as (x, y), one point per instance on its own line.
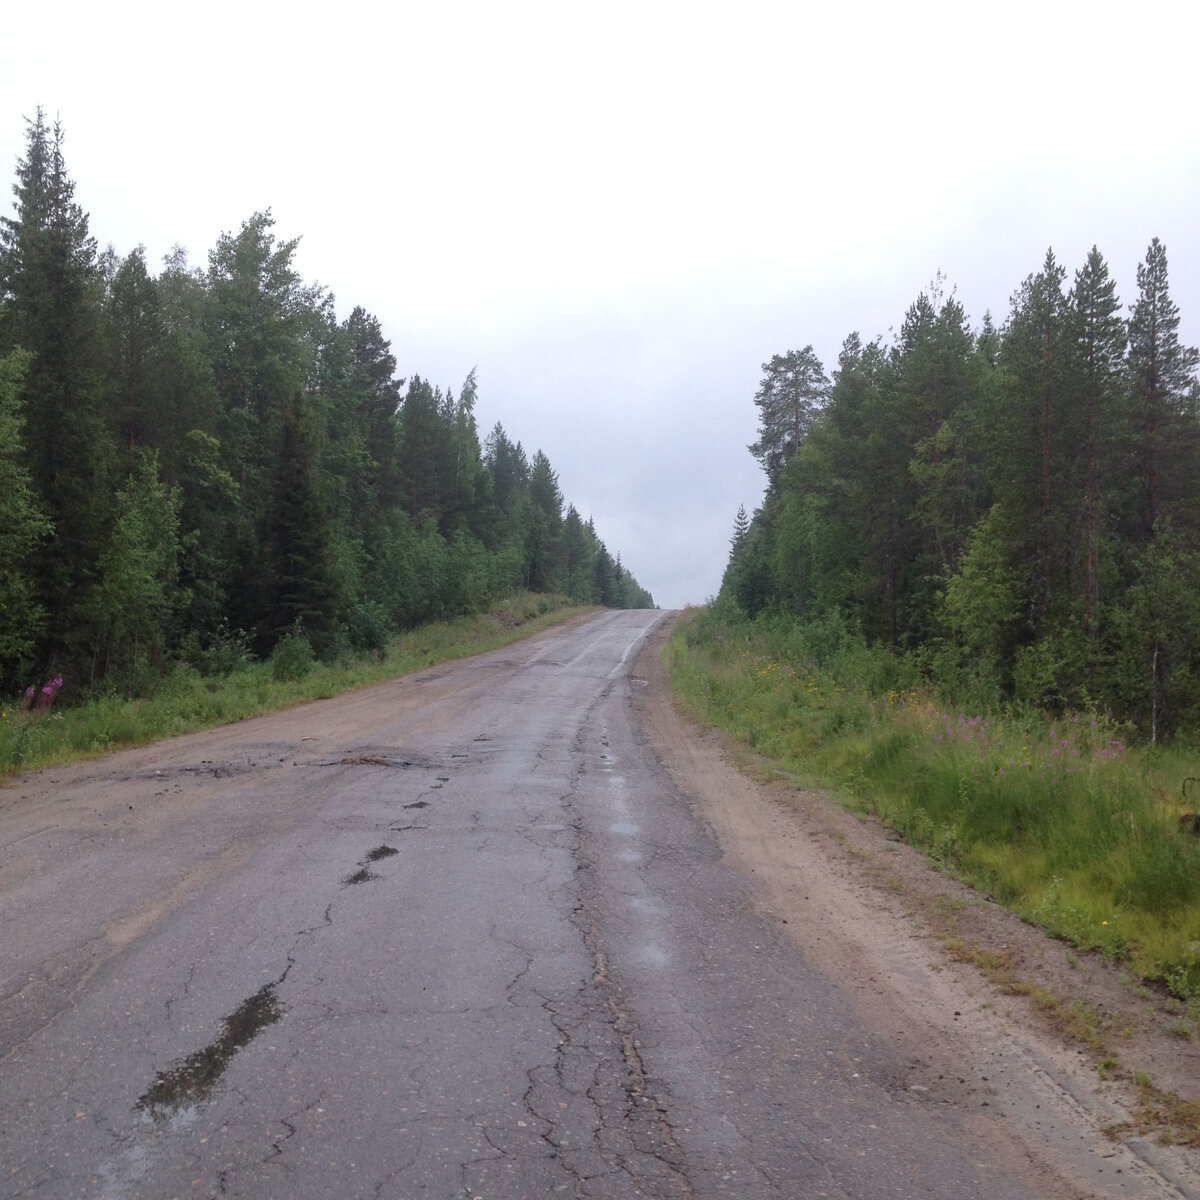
(619, 213)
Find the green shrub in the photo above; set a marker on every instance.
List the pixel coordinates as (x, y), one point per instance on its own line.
(228, 651)
(293, 656)
(368, 628)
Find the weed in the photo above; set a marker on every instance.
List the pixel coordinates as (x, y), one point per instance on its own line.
(1176, 1122)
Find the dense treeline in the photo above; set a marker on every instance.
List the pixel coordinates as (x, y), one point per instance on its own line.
(210, 454)
(1017, 508)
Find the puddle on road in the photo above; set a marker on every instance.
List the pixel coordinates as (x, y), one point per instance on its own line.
(373, 760)
(191, 1081)
(625, 827)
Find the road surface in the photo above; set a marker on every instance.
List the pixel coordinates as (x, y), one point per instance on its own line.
(458, 935)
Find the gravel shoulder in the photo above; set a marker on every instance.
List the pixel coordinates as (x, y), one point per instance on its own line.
(905, 942)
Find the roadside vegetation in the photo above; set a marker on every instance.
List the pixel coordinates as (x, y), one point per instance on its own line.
(968, 601)
(224, 684)
(1063, 818)
(195, 450)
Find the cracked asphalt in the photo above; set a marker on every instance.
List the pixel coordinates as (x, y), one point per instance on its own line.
(457, 935)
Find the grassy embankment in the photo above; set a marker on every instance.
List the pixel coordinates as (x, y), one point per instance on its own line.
(189, 699)
(1061, 819)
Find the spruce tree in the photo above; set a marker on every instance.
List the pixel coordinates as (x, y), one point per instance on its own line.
(1100, 344)
(51, 285)
(23, 528)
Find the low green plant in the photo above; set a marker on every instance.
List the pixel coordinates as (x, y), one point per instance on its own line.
(228, 651)
(293, 657)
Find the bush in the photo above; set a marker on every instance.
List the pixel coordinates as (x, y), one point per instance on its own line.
(293, 656)
(228, 651)
(368, 628)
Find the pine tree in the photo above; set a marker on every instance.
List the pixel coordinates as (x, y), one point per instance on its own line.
(1162, 376)
(793, 389)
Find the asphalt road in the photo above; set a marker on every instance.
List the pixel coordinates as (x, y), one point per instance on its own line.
(454, 936)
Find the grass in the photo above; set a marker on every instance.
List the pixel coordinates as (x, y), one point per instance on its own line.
(1062, 819)
(187, 701)
(1174, 1121)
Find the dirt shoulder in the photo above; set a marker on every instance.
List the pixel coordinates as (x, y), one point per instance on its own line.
(1010, 1028)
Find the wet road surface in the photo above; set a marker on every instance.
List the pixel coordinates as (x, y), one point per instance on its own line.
(454, 936)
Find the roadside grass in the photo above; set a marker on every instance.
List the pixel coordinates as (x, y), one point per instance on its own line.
(1174, 1121)
(188, 700)
(1061, 819)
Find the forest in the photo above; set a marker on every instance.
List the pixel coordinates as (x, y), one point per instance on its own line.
(202, 458)
(1015, 509)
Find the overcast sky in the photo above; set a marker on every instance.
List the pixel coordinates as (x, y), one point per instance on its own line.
(618, 212)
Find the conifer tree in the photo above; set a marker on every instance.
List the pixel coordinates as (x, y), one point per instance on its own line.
(1100, 344)
(1162, 375)
(23, 527)
(793, 389)
(1040, 427)
(51, 286)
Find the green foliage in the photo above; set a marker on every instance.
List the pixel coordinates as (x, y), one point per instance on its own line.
(208, 449)
(51, 285)
(981, 602)
(792, 391)
(22, 528)
(228, 651)
(186, 700)
(137, 601)
(1015, 508)
(293, 656)
(1058, 817)
(368, 628)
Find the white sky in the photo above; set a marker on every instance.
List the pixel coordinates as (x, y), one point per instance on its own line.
(618, 212)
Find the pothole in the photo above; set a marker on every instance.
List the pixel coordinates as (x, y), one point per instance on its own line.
(191, 1081)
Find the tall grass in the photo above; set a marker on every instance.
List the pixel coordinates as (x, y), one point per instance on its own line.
(1058, 817)
(188, 700)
